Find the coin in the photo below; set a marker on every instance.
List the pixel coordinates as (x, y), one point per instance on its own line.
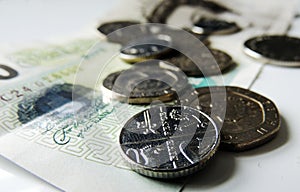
(210, 67)
(274, 49)
(250, 119)
(145, 82)
(9, 72)
(148, 47)
(165, 8)
(214, 26)
(168, 141)
(107, 28)
(112, 32)
(203, 38)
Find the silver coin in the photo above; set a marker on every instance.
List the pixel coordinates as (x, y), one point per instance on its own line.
(148, 47)
(133, 33)
(274, 49)
(214, 26)
(145, 82)
(169, 142)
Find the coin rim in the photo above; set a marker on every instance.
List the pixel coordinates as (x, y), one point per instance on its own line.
(264, 59)
(134, 22)
(201, 31)
(140, 58)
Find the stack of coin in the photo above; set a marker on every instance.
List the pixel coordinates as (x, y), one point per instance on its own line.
(179, 138)
(250, 119)
(176, 140)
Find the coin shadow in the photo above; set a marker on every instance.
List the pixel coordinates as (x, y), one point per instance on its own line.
(280, 139)
(218, 171)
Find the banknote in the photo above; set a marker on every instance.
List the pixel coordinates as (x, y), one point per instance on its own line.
(55, 123)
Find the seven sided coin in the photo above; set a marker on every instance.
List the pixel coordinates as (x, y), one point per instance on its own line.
(274, 49)
(111, 30)
(145, 82)
(250, 119)
(168, 141)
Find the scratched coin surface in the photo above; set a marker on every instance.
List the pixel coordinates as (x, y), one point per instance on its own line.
(214, 26)
(145, 82)
(148, 47)
(208, 67)
(278, 50)
(250, 119)
(168, 141)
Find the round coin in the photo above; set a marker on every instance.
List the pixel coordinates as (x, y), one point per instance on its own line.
(168, 141)
(148, 47)
(250, 119)
(107, 28)
(222, 62)
(277, 50)
(145, 82)
(214, 26)
(202, 38)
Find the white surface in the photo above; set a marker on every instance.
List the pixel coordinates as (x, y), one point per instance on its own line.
(273, 167)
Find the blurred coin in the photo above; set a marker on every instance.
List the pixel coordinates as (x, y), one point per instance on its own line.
(214, 26)
(250, 120)
(168, 141)
(145, 82)
(210, 67)
(278, 50)
(148, 47)
(107, 28)
(202, 38)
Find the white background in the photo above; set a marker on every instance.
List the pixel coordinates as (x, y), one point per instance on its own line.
(273, 167)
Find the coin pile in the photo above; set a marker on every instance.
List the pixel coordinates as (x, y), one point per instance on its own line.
(179, 138)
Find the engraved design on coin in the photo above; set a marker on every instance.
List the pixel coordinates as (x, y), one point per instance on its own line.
(223, 60)
(214, 26)
(168, 142)
(277, 50)
(148, 47)
(250, 120)
(145, 82)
